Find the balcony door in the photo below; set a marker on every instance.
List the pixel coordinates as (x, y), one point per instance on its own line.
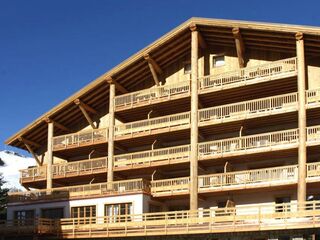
(118, 212)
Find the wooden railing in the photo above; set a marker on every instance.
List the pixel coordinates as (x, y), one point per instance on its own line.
(249, 109)
(152, 125)
(82, 191)
(313, 97)
(249, 144)
(151, 95)
(265, 177)
(82, 138)
(153, 157)
(214, 220)
(23, 227)
(80, 168)
(250, 75)
(257, 217)
(33, 174)
(313, 135)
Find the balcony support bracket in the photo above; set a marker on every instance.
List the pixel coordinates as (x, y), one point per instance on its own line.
(85, 109)
(30, 150)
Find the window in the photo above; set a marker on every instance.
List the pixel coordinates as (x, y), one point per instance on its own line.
(218, 61)
(118, 212)
(88, 212)
(24, 217)
(52, 213)
(282, 204)
(187, 68)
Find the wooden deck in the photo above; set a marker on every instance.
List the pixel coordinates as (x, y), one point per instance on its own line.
(266, 217)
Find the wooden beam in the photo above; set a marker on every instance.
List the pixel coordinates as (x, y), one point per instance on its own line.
(21, 139)
(154, 68)
(58, 125)
(240, 47)
(85, 106)
(120, 147)
(30, 142)
(118, 86)
(85, 113)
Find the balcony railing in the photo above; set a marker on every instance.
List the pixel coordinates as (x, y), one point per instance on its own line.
(82, 191)
(214, 220)
(152, 95)
(249, 144)
(249, 75)
(33, 174)
(153, 125)
(313, 97)
(80, 168)
(249, 109)
(82, 138)
(153, 157)
(275, 176)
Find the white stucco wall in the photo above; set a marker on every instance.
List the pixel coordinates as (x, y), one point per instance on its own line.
(139, 202)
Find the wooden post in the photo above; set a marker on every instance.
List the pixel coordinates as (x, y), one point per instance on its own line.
(194, 120)
(112, 94)
(302, 153)
(50, 154)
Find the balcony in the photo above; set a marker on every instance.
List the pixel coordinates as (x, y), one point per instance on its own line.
(252, 218)
(313, 98)
(152, 95)
(82, 191)
(251, 75)
(249, 109)
(80, 139)
(266, 142)
(152, 126)
(239, 180)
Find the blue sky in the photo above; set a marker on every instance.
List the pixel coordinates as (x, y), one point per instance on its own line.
(50, 49)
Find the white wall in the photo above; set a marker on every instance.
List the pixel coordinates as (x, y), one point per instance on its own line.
(139, 205)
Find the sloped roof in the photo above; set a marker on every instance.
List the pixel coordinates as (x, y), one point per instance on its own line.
(96, 92)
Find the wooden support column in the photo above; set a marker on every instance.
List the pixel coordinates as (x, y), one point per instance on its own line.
(302, 153)
(50, 154)
(239, 46)
(112, 94)
(194, 120)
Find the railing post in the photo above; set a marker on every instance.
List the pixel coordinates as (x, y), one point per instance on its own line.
(194, 120)
(302, 155)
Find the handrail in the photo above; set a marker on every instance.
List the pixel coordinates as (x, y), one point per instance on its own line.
(146, 96)
(245, 109)
(82, 191)
(152, 124)
(33, 173)
(245, 76)
(82, 138)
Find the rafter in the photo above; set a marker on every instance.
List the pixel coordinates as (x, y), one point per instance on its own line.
(118, 86)
(240, 47)
(154, 68)
(83, 107)
(58, 125)
(30, 150)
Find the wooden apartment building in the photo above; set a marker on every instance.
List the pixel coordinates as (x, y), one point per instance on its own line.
(211, 130)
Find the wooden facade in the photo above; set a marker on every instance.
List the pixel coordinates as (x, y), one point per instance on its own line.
(193, 125)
